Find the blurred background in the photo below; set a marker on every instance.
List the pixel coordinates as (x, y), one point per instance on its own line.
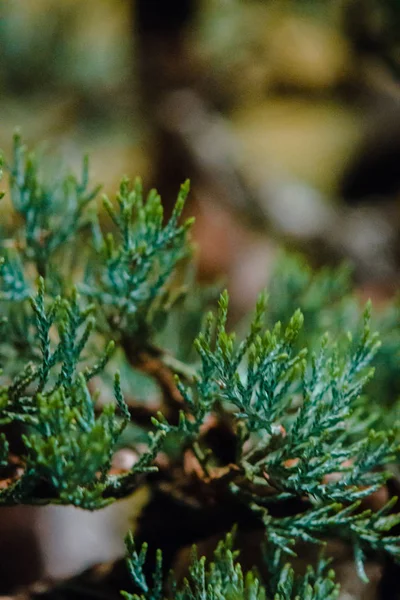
(284, 115)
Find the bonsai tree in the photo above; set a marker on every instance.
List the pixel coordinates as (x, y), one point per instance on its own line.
(279, 436)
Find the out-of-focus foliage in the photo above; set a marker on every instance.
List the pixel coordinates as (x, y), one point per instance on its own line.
(224, 578)
(328, 304)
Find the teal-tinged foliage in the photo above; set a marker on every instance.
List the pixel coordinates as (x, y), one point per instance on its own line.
(128, 282)
(52, 212)
(323, 296)
(50, 350)
(327, 302)
(224, 579)
(70, 448)
(310, 428)
(302, 427)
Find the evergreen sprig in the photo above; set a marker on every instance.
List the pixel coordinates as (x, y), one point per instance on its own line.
(224, 579)
(52, 212)
(69, 448)
(328, 303)
(300, 423)
(129, 280)
(282, 428)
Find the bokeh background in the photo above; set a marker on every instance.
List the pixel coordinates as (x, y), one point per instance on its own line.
(284, 114)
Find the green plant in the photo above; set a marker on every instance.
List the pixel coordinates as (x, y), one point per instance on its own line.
(273, 432)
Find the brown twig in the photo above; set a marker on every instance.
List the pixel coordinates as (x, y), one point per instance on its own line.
(154, 362)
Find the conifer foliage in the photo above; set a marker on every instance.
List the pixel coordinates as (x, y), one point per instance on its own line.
(279, 431)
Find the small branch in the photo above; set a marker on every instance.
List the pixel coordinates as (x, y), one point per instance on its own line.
(165, 377)
(162, 368)
(185, 371)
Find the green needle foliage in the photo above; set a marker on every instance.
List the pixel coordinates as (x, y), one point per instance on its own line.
(284, 430)
(327, 302)
(223, 578)
(70, 448)
(128, 280)
(302, 426)
(51, 212)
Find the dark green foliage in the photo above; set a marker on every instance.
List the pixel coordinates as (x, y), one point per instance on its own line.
(51, 212)
(128, 281)
(224, 578)
(69, 446)
(69, 450)
(284, 428)
(301, 424)
(326, 300)
(48, 335)
(324, 297)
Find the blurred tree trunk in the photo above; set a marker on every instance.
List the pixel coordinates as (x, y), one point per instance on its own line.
(190, 138)
(162, 64)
